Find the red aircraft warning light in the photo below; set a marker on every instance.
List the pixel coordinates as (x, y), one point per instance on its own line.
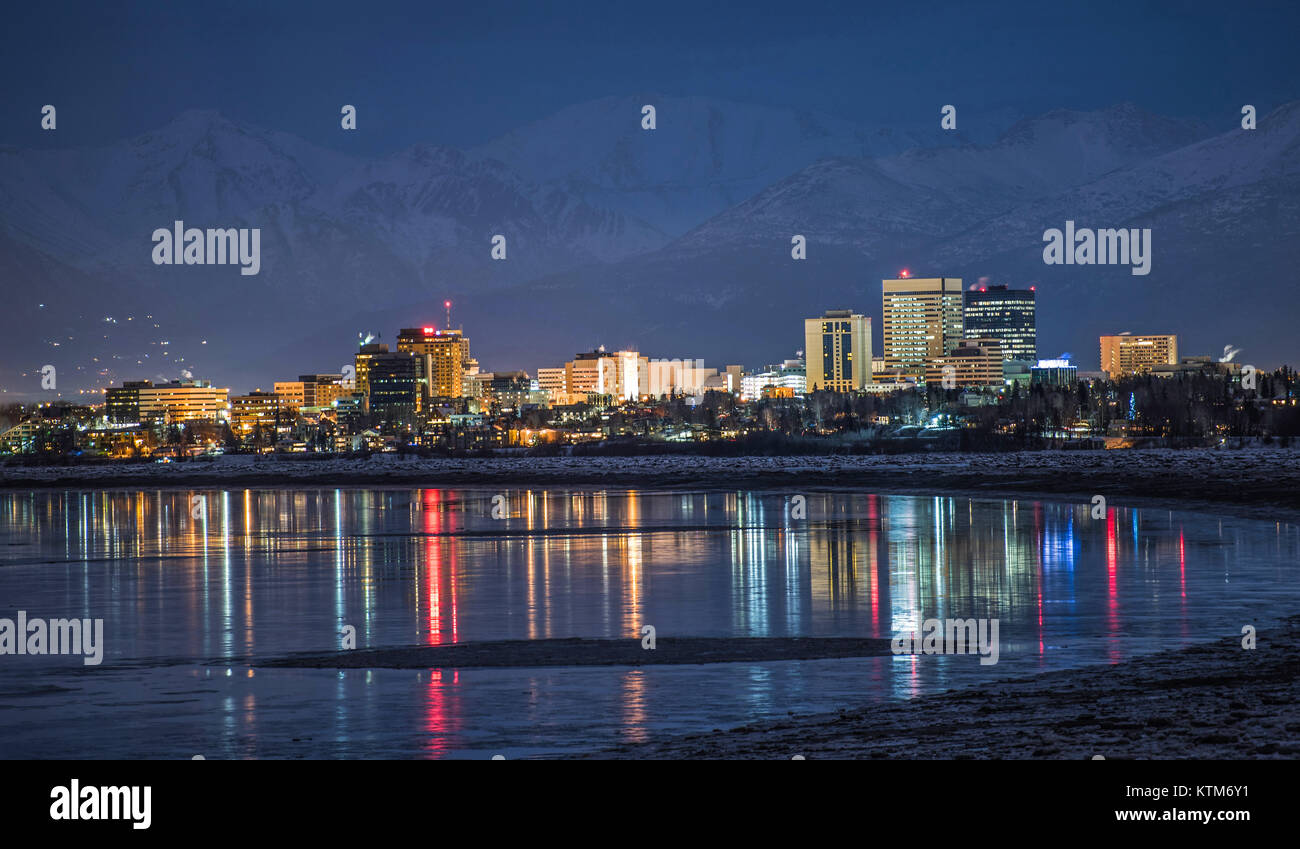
(904, 273)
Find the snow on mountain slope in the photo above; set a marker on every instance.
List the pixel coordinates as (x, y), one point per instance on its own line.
(919, 195)
(201, 168)
(1266, 157)
(703, 157)
(1225, 215)
(591, 207)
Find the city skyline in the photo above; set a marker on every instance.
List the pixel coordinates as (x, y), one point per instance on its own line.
(941, 306)
(600, 272)
(379, 180)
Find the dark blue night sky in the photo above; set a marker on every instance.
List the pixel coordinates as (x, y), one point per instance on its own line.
(775, 119)
(462, 73)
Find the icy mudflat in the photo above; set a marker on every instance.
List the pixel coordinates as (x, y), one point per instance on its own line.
(1212, 701)
(1251, 476)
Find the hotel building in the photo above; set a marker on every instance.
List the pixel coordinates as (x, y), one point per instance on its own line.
(837, 351)
(921, 322)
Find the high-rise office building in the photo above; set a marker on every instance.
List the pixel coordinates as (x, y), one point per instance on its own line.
(470, 369)
(997, 312)
(972, 362)
(394, 386)
(122, 403)
(922, 321)
(837, 351)
(1126, 354)
(444, 357)
(364, 356)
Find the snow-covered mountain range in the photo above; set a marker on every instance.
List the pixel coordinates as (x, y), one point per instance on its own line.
(676, 240)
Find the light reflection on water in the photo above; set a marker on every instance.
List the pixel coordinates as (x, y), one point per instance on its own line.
(269, 572)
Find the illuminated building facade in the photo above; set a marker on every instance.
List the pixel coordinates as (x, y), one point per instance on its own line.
(621, 375)
(122, 403)
(974, 363)
(1054, 373)
(362, 362)
(677, 377)
(552, 382)
(320, 390)
(394, 387)
(292, 391)
(181, 401)
(789, 377)
(837, 351)
(1126, 354)
(922, 321)
(258, 409)
(444, 358)
(997, 312)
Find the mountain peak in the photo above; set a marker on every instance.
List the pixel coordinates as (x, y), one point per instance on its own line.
(196, 119)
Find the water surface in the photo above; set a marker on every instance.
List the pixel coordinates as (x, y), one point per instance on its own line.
(191, 603)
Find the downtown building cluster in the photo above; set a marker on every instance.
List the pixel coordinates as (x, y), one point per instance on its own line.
(933, 333)
(937, 333)
(428, 391)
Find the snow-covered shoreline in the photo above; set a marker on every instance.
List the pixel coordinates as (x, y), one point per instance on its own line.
(1250, 480)
(1210, 701)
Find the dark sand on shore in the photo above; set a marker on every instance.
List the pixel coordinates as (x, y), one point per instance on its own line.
(1211, 701)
